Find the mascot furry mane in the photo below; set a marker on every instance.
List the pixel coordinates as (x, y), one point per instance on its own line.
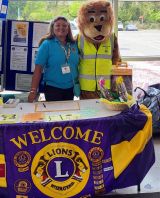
(96, 20)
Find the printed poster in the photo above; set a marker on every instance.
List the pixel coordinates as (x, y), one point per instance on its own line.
(18, 59)
(39, 30)
(19, 33)
(34, 53)
(23, 82)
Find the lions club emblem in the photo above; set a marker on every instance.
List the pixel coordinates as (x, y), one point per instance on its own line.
(60, 170)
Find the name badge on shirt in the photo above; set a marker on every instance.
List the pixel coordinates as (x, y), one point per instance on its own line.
(65, 69)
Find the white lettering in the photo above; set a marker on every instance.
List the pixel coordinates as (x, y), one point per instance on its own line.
(58, 170)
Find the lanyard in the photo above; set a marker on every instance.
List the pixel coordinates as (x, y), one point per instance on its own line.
(67, 52)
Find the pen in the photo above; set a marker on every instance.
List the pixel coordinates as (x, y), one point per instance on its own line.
(61, 117)
(44, 105)
(50, 118)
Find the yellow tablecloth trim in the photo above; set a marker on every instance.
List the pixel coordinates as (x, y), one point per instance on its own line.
(124, 152)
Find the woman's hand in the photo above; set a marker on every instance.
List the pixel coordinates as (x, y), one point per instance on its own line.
(32, 95)
(35, 83)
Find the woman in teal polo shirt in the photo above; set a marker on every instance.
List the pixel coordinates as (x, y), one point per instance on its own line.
(57, 59)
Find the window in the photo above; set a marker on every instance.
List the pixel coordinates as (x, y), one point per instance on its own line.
(140, 36)
(137, 25)
(139, 41)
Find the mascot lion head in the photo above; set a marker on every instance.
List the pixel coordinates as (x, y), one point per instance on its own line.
(96, 20)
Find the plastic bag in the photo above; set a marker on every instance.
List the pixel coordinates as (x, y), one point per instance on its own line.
(151, 99)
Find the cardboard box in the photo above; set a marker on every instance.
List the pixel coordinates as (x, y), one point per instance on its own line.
(122, 69)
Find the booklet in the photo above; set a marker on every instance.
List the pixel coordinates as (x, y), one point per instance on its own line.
(8, 118)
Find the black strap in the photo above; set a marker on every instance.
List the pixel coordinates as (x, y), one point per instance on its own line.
(145, 93)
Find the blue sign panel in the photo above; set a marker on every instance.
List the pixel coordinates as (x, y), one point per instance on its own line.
(3, 9)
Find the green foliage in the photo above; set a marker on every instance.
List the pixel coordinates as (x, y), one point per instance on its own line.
(133, 11)
(47, 10)
(42, 10)
(13, 9)
(124, 13)
(73, 9)
(155, 17)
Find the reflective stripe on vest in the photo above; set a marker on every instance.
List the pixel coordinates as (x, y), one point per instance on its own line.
(101, 56)
(95, 64)
(98, 77)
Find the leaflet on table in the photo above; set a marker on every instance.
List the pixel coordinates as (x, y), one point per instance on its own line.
(61, 117)
(50, 118)
(70, 116)
(88, 112)
(41, 117)
(33, 117)
(8, 118)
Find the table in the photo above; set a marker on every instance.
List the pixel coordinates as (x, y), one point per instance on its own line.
(94, 154)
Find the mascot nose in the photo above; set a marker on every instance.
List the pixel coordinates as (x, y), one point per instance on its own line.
(98, 27)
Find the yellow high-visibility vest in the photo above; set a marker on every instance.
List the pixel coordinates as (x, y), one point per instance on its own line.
(94, 63)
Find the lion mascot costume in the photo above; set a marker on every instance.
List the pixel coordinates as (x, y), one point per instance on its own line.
(98, 46)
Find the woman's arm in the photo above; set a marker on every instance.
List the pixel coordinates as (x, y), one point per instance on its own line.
(35, 83)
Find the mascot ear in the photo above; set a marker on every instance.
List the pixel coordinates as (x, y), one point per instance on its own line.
(110, 14)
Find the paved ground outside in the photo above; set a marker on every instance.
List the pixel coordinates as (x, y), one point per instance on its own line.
(145, 73)
(139, 43)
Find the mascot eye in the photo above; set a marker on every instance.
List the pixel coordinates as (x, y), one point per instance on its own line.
(102, 18)
(91, 19)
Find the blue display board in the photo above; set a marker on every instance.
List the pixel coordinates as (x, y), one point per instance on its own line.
(2, 43)
(22, 45)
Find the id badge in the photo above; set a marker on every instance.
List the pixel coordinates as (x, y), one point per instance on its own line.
(65, 69)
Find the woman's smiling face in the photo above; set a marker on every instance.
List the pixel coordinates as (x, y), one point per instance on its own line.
(61, 28)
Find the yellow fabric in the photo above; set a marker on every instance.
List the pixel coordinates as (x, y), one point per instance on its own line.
(129, 149)
(96, 66)
(3, 182)
(1, 101)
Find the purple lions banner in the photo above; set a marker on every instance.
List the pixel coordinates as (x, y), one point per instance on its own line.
(78, 158)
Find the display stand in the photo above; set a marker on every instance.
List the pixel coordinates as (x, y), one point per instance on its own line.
(22, 38)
